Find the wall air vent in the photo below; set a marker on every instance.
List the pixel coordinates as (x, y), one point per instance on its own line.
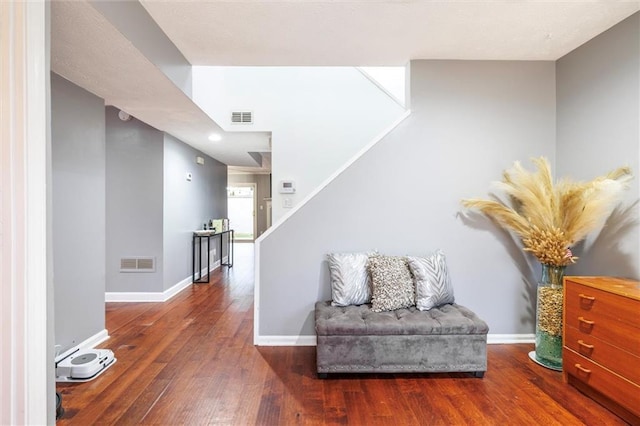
(138, 264)
(241, 117)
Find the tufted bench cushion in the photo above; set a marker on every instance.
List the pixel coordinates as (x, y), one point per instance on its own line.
(361, 320)
(450, 338)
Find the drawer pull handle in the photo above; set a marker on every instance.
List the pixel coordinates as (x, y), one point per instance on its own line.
(584, 370)
(581, 319)
(589, 298)
(581, 343)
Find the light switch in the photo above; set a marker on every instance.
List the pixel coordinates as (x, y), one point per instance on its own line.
(287, 203)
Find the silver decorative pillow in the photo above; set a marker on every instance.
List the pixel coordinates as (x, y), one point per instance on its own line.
(350, 284)
(433, 285)
(392, 283)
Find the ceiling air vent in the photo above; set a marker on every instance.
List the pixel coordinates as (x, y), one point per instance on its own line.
(241, 117)
(138, 264)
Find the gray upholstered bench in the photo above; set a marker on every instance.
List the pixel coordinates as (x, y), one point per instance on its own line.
(354, 339)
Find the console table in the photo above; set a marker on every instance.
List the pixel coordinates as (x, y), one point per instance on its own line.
(202, 240)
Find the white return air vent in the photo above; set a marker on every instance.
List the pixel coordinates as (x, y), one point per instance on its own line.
(138, 264)
(241, 117)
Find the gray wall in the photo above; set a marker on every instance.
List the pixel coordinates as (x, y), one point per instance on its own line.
(78, 204)
(188, 205)
(598, 100)
(152, 210)
(134, 204)
(263, 191)
(470, 121)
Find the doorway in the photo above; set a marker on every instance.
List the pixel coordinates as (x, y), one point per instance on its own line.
(241, 204)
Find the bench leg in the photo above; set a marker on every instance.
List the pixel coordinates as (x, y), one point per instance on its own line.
(478, 374)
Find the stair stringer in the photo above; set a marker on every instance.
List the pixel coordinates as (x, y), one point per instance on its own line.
(265, 340)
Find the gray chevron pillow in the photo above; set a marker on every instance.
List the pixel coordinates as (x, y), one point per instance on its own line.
(350, 283)
(433, 285)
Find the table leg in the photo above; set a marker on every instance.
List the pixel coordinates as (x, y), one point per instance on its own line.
(193, 259)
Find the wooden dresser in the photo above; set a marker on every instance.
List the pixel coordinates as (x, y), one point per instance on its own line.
(601, 352)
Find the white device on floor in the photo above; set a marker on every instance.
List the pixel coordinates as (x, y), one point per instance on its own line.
(83, 365)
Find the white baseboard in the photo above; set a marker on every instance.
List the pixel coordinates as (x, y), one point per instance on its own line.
(492, 339)
(133, 297)
(129, 296)
(177, 288)
(285, 341)
(508, 339)
(89, 343)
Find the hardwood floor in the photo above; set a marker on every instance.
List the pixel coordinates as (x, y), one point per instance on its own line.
(191, 361)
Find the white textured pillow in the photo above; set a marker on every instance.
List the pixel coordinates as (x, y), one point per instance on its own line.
(392, 283)
(433, 285)
(350, 283)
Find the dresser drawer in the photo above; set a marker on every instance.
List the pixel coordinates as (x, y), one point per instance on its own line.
(602, 304)
(608, 383)
(617, 333)
(611, 357)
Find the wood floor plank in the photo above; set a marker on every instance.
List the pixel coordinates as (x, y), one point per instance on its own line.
(334, 406)
(145, 402)
(191, 360)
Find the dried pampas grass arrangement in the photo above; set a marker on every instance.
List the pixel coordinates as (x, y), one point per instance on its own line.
(550, 218)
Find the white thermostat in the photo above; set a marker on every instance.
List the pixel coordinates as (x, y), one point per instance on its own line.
(287, 187)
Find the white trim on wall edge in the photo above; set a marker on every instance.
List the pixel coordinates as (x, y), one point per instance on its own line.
(492, 339)
(256, 291)
(89, 343)
(127, 296)
(333, 176)
(26, 306)
(286, 216)
(381, 87)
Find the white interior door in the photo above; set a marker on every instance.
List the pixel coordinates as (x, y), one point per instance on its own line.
(241, 205)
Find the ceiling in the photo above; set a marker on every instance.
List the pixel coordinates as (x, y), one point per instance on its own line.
(89, 51)
(379, 32)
